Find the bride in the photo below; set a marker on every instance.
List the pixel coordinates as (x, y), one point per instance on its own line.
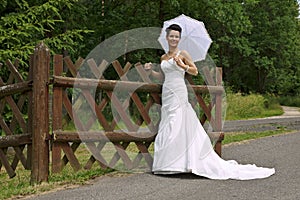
(182, 144)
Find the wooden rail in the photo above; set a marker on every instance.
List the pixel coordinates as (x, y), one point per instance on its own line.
(110, 85)
(15, 140)
(95, 136)
(7, 90)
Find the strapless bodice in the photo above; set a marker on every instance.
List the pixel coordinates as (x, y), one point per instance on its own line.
(174, 74)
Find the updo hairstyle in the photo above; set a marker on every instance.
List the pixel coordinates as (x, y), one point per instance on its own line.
(174, 27)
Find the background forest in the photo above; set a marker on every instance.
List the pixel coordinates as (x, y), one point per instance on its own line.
(257, 42)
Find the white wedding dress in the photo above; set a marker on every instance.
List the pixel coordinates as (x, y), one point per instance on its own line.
(182, 144)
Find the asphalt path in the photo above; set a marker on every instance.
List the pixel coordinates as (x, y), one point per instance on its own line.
(280, 152)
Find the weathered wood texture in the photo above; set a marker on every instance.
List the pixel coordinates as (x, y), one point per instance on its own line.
(15, 125)
(40, 114)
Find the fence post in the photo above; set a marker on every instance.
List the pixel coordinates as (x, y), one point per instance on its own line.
(30, 118)
(218, 145)
(40, 115)
(57, 107)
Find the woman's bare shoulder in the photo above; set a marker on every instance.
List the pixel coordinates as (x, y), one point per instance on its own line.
(163, 57)
(184, 53)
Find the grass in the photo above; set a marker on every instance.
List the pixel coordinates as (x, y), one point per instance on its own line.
(251, 106)
(243, 136)
(20, 184)
(239, 107)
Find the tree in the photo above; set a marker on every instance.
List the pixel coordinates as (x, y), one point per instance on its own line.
(256, 42)
(275, 37)
(24, 23)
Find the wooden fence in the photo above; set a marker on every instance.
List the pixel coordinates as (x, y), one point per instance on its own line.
(85, 103)
(15, 142)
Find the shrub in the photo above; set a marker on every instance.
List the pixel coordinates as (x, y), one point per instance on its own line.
(251, 106)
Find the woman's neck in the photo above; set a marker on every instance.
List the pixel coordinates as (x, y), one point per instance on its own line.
(173, 51)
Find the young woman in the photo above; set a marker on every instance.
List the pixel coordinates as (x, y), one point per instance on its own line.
(182, 144)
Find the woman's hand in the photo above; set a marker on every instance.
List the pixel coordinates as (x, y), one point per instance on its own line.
(184, 61)
(179, 62)
(148, 66)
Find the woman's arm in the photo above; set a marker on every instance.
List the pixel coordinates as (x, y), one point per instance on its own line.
(149, 68)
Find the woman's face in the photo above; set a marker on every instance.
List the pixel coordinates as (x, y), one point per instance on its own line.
(173, 38)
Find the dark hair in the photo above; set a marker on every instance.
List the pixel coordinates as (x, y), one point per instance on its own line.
(174, 27)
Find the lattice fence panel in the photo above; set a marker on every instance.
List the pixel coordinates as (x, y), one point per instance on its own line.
(15, 125)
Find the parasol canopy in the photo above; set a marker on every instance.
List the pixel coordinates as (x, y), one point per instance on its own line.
(194, 37)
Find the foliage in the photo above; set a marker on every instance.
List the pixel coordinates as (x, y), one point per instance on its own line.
(293, 101)
(24, 23)
(276, 39)
(251, 106)
(252, 53)
(256, 42)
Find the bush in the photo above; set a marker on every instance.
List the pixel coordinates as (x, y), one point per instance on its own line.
(251, 106)
(289, 101)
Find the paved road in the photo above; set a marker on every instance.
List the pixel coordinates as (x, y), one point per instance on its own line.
(281, 152)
